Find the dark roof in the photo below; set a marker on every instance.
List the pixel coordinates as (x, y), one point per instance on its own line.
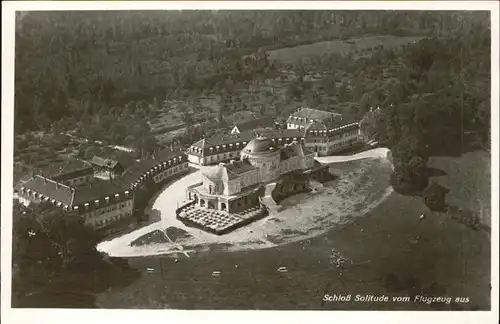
(213, 172)
(139, 168)
(326, 124)
(166, 154)
(231, 170)
(261, 123)
(294, 149)
(95, 190)
(305, 115)
(260, 144)
(103, 162)
(49, 188)
(306, 150)
(22, 180)
(239, 167)
(67, 170)
(290, 151)
(234, 142)
(328, 129)
(72, 196)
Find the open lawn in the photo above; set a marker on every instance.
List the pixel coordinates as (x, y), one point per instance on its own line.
(296, 53)
(379, 244)
(469, 180)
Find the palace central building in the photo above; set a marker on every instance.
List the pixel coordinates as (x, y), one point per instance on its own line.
(232, 194)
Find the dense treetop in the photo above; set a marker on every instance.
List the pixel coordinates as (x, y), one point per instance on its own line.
(107, 74)
(73, 64)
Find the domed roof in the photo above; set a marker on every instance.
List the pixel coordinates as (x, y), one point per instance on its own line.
(260, 144)
(213, 172)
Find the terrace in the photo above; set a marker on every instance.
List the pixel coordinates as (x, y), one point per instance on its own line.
(218, 222)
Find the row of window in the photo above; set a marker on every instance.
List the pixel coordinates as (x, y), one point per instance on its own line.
(247, 200)
(217, 148)
(290, 165)
(108, 209)
(79, 180)
(249, 179)
(222, 157)
(343, 143)
(345, 133)
(104, 222)
(169, 172)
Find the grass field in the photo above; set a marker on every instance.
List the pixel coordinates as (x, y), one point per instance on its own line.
(380, 244)
(469, 178)
(293, 54)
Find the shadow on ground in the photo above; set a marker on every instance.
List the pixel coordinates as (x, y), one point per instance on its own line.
(412, 287)
(73, 289)
(416, 188)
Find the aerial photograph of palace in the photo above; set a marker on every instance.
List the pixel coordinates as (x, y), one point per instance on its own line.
(251, 159)
(231, 193)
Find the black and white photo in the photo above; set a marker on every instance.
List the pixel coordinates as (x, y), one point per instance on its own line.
(284, 159)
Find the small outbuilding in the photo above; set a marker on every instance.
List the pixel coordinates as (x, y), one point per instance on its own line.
(103, 165)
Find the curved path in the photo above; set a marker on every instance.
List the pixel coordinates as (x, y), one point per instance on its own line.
(166, 203)
(380, 152)
(359, 189)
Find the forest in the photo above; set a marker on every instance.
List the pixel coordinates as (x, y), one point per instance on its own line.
(55, 261)
(107, 75)
(73, 65)
(440, 105)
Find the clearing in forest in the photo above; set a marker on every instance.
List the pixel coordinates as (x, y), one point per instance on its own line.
(292, 54)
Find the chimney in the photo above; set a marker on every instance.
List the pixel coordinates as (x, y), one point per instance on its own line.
(57, 185)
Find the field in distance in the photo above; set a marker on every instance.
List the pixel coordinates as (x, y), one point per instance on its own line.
(292, 54)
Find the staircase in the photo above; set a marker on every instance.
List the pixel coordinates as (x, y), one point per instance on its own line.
(315, 186)
(268, 200)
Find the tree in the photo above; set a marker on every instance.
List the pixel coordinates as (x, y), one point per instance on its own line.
(299, 71)
(365, 104)
(187, 118)
(435, 196)
(342, 92)
(47, 243)
(294, 91)
(370, 125)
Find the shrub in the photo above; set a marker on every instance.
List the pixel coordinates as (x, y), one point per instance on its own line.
(435, 197)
